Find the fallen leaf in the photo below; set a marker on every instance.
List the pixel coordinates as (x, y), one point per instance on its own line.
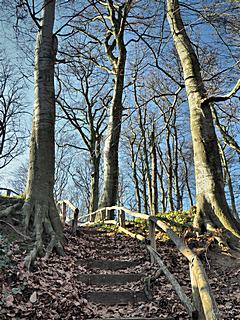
(33, 297)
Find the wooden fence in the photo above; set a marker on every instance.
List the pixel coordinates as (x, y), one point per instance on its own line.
(203, 305)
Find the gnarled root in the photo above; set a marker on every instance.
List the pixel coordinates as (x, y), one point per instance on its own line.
(11, 210)
(42, 220)
(226, 240)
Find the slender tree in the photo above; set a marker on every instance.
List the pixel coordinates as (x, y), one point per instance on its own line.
(114, 43)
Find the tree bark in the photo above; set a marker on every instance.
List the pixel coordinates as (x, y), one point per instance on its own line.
(154, 208)
(212, 207)
(229, 182)
(134, 173)
(111, 169)
(94, 183)
(41, 216)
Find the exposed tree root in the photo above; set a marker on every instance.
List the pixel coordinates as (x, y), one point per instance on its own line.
(227, 240)
(11, 210)
(44, 224)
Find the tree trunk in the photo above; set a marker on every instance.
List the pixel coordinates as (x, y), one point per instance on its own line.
(163, 193)
(169, 171)
(229, 182)
(186, 178)
(111, 170)
(154, 208)
(212, 207)
(41, 213)
(176, 165)
(144, 184)
(94, 184)
(134, 173)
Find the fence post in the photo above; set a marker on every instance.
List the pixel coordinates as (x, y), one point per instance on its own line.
(152, 237)
(122, 218)
(75, 221)
(195, 294)
(8, 193)
(101, 215)
(64, 213)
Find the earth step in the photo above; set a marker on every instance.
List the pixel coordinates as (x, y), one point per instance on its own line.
(92, 231)
(116, 297)
(98, 239)
(109, 279)
(111, 254)
(107, 248)
(108, 264)
(133, 319)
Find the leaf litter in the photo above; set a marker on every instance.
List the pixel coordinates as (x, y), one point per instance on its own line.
(52, 289)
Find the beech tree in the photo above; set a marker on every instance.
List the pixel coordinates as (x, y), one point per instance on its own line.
(41, 216)
(212, 207)
(114, 41)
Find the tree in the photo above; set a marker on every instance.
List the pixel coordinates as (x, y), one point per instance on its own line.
(11, 108)
(212, 207)
(118, 16)
(84, 102)
(41, 216)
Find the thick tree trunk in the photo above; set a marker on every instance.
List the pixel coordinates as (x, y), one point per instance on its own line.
(41, 213)
(212, 207)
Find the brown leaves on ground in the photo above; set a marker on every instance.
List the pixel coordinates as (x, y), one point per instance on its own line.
(52, 291)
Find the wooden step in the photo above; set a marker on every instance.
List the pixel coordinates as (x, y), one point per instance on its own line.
(108, 264)
(109, 279)
(116, 297)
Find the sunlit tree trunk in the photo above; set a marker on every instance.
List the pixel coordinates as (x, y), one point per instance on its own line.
(40, 209)
(212, 207)
(134, 172)
(118, 18)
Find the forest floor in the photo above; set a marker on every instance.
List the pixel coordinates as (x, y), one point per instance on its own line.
(52, 291)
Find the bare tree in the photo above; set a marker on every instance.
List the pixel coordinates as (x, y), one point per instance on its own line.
(39, 204)
(84, 102)
(11, 111)
(212, 207)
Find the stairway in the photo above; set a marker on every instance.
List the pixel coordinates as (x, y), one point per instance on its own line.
(114, 284)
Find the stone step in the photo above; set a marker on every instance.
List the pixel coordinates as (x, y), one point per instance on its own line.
(109, 279)
(108, 264)
(116, 297)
